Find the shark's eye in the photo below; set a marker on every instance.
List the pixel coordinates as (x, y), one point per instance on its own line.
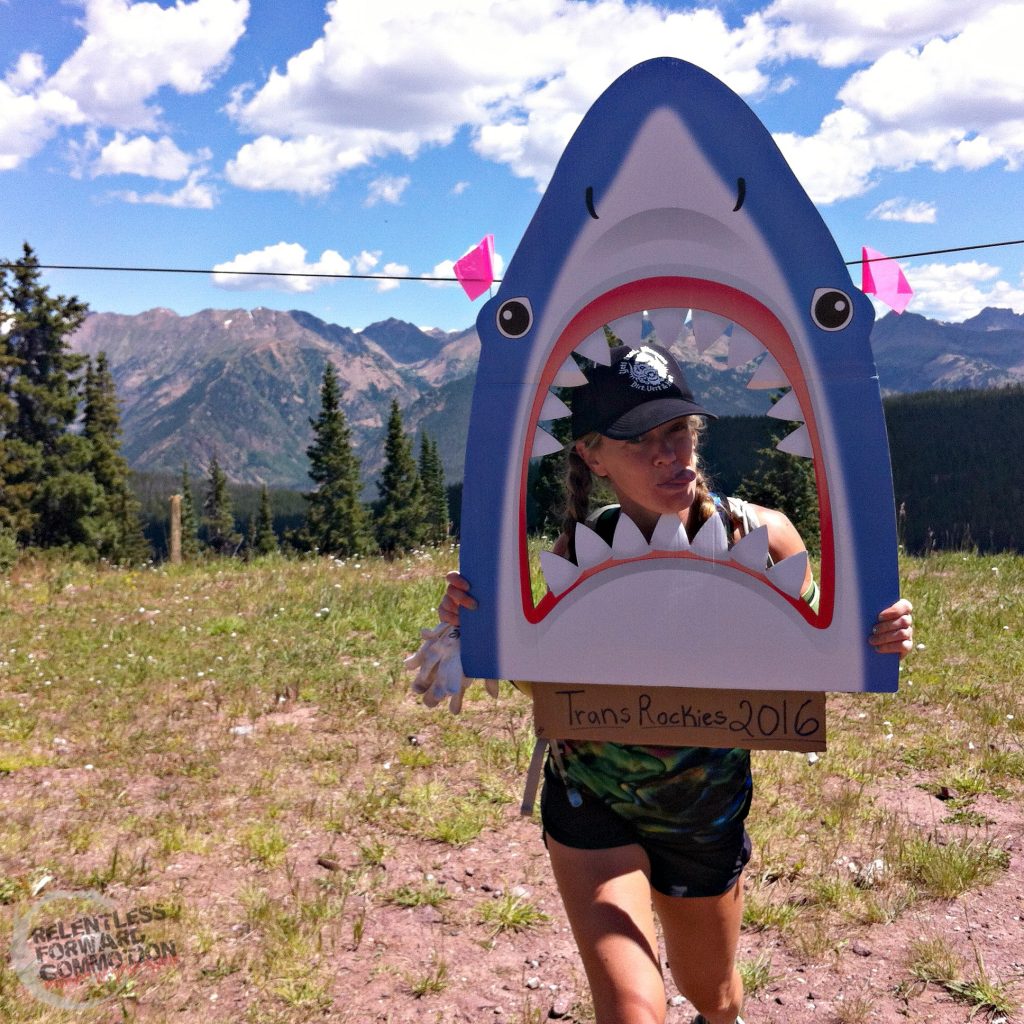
(831, 309)
(515, 317)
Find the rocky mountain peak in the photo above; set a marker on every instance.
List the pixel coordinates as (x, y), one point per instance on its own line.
(244, 383)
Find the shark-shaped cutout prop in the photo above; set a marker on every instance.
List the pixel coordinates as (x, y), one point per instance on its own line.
(672, 198)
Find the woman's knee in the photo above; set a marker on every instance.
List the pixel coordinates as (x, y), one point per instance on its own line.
(716, 999)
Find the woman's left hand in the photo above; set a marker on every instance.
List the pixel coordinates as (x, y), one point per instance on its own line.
(894, 630)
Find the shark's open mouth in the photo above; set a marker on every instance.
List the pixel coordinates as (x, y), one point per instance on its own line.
(753, 332)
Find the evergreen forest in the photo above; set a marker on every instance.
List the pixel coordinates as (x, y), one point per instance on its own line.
(65, 485)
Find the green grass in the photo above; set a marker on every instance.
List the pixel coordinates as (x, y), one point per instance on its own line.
(142, 674)
(948, 870)
(932, 960)
(509, 913)
(430, 894)
(756, 973)
(432, 981)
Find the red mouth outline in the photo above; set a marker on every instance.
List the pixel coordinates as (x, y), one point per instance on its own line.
(741, 308)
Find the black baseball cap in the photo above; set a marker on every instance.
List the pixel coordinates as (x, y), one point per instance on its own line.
(641, 389)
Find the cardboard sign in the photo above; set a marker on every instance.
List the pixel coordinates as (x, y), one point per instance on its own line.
(676, 716)
(673, 208)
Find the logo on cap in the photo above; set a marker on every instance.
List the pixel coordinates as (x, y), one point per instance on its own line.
(647, 370)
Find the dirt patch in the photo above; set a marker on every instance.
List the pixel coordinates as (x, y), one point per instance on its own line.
(377, 960)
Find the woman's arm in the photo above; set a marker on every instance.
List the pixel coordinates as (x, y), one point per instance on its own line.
(893, 632)
(783, 538)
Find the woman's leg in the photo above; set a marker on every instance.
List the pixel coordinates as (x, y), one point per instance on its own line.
(607, 897)
(701, 934)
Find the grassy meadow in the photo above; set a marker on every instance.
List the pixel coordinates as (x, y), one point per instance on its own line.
(236, 743)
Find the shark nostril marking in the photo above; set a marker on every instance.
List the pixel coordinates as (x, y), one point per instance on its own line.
(590, 202)
(741, 193)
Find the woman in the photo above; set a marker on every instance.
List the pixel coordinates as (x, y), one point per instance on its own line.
(637, 830)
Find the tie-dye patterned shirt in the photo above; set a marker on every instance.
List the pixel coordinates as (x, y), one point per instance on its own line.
(665, 790)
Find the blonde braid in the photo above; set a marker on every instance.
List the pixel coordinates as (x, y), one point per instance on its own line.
(579, 482)
(703, 507)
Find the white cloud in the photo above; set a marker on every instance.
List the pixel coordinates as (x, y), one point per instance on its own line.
(906, 210)
(308, 166)
(958, 291)
(973, 81)
(195, 194)
(26, 72)
(445, 271)
(394, 270)
(836, 162)
(386, 189)
(395, 77)
(952, 102)
(844, 32)
(28, 120)
(290, 258)
(459, 187)
(366, 261)
(151, 158)
(282, 258)
(130, 52)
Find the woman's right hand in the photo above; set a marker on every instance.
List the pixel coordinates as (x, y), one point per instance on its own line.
(456, 596)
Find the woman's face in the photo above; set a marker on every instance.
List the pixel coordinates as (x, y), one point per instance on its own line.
(653, 474)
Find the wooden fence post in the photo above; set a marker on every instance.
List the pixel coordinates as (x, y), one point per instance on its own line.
(176, 529)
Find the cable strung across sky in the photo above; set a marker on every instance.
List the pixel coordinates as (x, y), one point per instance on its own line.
(8, 265)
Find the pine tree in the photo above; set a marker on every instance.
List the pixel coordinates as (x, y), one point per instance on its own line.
(118, 529)
(435, 494)
(337, 522)
(263, 540)
(218, 517)
(8, 414)
(190, 544)
(401, 511)
(785, 482)
(46, 490)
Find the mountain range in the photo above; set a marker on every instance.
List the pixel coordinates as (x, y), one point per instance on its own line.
(244, 384)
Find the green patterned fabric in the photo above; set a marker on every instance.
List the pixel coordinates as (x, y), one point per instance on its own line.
(667, 790)
(664, 790)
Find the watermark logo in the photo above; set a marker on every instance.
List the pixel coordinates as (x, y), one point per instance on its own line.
(78, 950)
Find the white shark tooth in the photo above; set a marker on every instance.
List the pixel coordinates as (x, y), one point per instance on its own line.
(743, 346)
(797, 443)
(628, 541)
(768, 375)
(595, 347)
(711, 541)
(559, 573)
(707, 328)
(569, 376)
(751, 551)
(629, 329)
(667, 325)
(787, 408)
(789, 574)
(670, 535)
(591, 550)
(544, 444)
(553, 408)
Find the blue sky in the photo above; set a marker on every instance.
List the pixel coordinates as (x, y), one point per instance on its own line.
(389, 137)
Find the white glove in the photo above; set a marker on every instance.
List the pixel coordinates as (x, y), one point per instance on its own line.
(438, 667)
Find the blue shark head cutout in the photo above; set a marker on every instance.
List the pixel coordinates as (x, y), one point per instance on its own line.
(672, 198)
